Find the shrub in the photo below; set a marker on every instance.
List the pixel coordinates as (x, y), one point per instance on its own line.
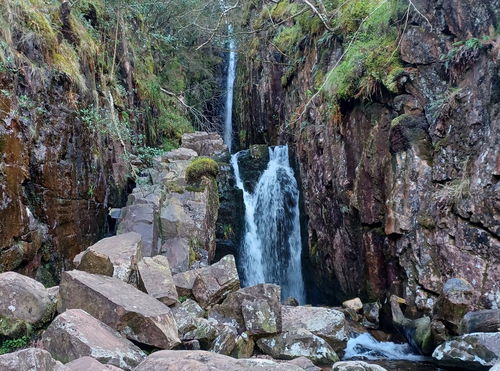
(10, 345)
(201, 167)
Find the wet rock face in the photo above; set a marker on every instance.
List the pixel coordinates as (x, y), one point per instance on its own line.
(56, 180)
(402, 194)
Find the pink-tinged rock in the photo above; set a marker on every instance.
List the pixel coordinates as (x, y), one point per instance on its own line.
(256, 310)
(213, 283)
(31, 359)
(89, 364)
(209, 285)
(25, 304)
(177, 252)
(142, 219)
(128, 310)
(182, 360)
(75, 334)
(205, 144)
(115, 256)
(155, 278)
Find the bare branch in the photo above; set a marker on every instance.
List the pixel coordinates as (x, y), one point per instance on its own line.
(214, 31)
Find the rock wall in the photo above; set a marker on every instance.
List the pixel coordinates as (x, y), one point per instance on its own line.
(400, 190)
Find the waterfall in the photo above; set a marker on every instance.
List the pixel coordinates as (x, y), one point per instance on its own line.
(271, 247)
(231, 74)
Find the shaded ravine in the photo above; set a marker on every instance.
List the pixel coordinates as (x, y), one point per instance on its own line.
(271, 247)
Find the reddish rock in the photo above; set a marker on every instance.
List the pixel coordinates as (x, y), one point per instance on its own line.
(155, 278)
(89, 364)
(30, 359)
(133, 313)
(75, 334)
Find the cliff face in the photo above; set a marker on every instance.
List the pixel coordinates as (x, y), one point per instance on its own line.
(79, 97)
(400, 185)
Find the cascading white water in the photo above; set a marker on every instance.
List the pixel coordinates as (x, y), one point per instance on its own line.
(231, 74)
(271, 248)
(367, 347)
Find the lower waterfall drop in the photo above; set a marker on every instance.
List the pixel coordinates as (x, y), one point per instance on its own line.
(271, 247)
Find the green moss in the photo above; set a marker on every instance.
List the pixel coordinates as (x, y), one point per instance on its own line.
(201, 167)
(372, 60)
(288, 38)
(174, 187)
(283, 10)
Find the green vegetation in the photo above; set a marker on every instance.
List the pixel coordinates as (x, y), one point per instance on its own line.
(9, 346)
(201, 167)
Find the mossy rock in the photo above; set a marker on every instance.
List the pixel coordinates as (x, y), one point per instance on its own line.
(201, 167)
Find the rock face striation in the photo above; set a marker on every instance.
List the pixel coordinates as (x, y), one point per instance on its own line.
(400, 191)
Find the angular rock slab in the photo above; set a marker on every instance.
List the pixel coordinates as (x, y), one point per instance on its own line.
(186, 312)
(326, 323)
(24, 303)
(298, 343)
(481, 321)
(177, 252)
(182, 360)
(256, 310)
(205, 144)
(75, 334)
(123, 252)
(474, 351)
(133, 313)
(209, 285)
(142, 219)
(32, 359)
(155, 278)
(89, 364)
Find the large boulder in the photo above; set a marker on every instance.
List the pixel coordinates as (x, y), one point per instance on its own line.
(298, 343)
(205, 144)
(117, 255)
(454, 302)
(155, 278)
(177, 251)
(212, 284)
(75, 334)
(200, 329)
(184, 282)
(481, 321)
(356, 366)
(326, 323)
(25, 304)
(31, 359)
(89, 364)
(135, 314)
(142, 218)
(203, 361)
(256, 310)
(474, 351)
(185, 312)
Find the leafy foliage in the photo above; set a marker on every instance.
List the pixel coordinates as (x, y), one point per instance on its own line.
(11, 345)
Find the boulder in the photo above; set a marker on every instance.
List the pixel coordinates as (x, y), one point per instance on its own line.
(32, 359)
(181, 360)
(205, 144)
(304, 363)
(454, 302)
(354, 304)
(474, 351)
(225, 342)
(199, 329)
(142, 219)
(371, 315)
(356, 366)
(155, 278)
(212, 284)
(135, 314)
(256, 310)
(185, 312)
(177, 252)
(298, 343)
(184, 282)
(481, 321)
(25, 304)
(244, 346)
(180, 154)
(89, 364)
(115, 256)
(326, 323)
(75, 334)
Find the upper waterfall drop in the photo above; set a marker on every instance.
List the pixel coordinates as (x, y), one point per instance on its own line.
(231, 75)
(271, 248)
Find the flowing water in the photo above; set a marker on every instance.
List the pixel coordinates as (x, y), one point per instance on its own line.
(231, 74)
(271, 247)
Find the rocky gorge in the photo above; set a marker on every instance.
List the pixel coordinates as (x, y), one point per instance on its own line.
(345, 215)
